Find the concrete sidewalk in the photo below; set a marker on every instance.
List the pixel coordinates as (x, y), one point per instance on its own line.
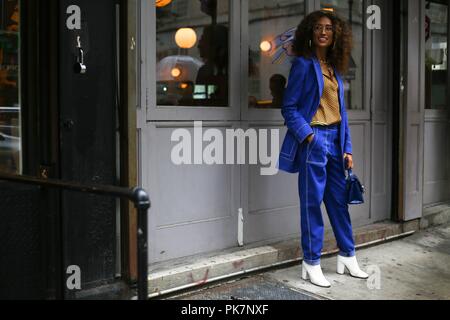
(416, 267)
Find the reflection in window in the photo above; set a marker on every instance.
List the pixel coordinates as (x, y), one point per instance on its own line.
(271, 26)
(10, 143)
(192, 44)
(353, 12)
(436, 55)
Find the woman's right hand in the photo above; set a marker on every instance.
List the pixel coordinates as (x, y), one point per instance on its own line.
(310, 138)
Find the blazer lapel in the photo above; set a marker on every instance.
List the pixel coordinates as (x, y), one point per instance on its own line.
(341, 87)
(319, 75)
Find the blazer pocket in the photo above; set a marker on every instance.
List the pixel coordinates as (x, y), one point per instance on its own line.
(289, 147)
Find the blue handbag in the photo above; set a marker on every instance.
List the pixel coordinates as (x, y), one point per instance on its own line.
(355, 189)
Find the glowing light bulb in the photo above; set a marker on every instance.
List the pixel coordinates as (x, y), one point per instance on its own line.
(162, 3)
(265, 46)
(176, 72)
(186, 38)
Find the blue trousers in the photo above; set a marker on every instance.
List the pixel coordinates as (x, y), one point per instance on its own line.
(322, 179)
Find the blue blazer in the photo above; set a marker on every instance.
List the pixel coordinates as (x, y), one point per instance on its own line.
(301, 102)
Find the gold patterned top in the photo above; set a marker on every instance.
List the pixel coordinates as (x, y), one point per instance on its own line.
(329, 109)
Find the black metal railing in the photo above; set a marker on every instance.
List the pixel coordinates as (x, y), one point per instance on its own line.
(138, 196)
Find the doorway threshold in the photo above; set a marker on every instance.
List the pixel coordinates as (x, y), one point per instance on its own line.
(197, 271)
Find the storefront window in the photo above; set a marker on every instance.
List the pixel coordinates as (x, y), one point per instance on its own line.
(10, 142)
(192, 44)
(436, 55)
(353, 12)
(272, 25)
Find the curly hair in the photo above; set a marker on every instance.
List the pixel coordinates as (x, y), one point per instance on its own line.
(339, 52)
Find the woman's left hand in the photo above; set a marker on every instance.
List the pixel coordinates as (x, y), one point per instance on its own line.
(349, 158)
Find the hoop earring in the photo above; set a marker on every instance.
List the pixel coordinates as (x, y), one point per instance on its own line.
(310, 43)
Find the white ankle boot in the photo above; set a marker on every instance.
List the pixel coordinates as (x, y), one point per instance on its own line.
(351, 264)
(315, 274)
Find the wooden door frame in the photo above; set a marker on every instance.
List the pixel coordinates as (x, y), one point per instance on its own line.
(130, 99)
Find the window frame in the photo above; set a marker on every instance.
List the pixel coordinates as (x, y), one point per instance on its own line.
(20, 89)
(148, 74)
(436, 114)
(369, 72)
(248, 113)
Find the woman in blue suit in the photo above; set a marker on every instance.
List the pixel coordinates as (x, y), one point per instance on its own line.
(318, 144)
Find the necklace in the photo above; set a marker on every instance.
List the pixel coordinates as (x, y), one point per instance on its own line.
(326, 64)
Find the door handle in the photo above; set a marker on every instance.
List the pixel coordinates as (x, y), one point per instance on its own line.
(80, 67)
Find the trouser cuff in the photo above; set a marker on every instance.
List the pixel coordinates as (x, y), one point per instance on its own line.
(347, 254)
(312, 262)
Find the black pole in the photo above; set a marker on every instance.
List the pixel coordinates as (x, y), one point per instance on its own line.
(142, 204)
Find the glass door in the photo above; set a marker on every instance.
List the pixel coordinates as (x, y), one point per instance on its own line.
(270, 202)
(368, 114)
(191, 73)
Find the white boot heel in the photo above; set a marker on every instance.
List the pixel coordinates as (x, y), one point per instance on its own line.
(304, 274)
(340, 267)
(314, 273)
(351, 264)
